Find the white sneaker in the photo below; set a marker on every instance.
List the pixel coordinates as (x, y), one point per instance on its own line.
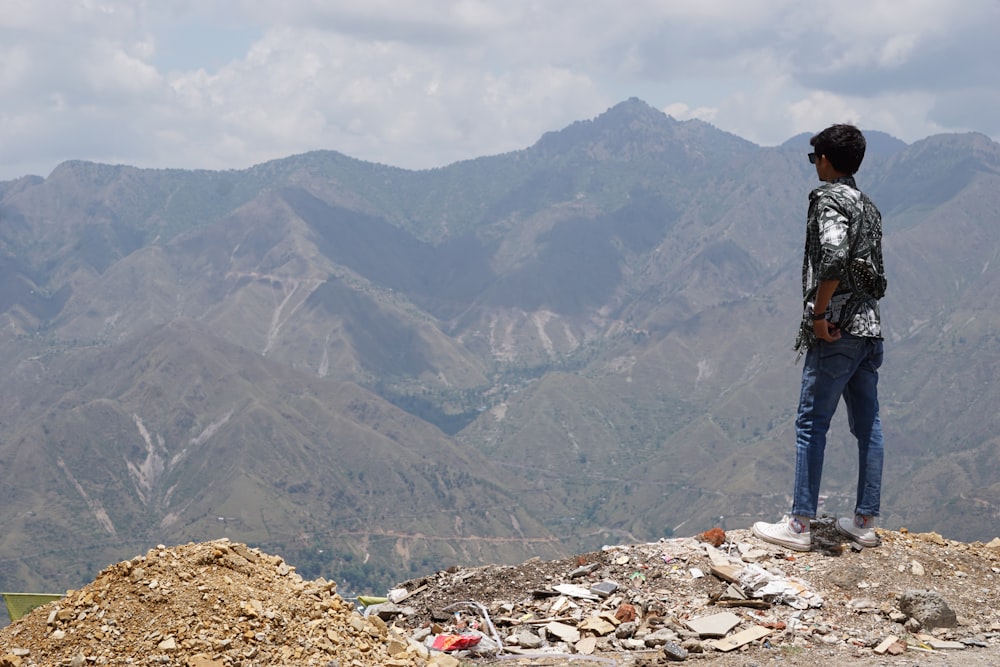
(791, 532)
(861, 529)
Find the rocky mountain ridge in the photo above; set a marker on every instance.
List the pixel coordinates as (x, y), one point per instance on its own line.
(374, 370)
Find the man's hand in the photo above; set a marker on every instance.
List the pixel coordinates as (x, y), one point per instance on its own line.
(826, 330)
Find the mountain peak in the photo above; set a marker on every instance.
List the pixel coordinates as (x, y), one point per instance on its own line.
(633, 107)
(633, 128)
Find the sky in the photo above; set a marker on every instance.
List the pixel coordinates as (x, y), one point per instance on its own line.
(217, 84)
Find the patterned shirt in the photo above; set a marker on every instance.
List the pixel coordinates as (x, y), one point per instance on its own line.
(838, 211)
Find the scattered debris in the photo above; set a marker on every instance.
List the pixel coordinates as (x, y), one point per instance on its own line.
(756, 596)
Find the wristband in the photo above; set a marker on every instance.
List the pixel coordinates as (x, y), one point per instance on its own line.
(816, 317)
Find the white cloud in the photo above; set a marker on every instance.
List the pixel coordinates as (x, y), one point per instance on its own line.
(224, 84)
(820, 109)
(115, 71)
(897, 50)
(682, 111)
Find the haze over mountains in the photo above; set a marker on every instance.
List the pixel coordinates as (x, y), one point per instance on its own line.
(378, 372)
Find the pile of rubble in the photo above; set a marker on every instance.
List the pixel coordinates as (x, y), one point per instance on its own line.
(215, 604)
(720, 595)
(711, 597)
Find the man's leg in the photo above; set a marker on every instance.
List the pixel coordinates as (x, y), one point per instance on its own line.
(861, 401)
(828, 368)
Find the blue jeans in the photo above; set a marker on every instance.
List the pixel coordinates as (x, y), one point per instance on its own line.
(846, 367)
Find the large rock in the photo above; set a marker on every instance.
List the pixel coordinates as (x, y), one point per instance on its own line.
(928, 607)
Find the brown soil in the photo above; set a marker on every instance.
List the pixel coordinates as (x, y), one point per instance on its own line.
(199, 605)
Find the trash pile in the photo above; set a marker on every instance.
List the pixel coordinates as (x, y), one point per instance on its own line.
(714, 596)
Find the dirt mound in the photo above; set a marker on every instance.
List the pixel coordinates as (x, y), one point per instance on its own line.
(213, 604)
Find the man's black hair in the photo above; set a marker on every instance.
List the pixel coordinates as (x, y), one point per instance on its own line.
(843, 145)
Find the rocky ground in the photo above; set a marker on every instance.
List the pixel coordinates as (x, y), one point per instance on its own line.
(718, 599)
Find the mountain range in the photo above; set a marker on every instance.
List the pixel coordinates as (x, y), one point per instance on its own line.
(379, 372)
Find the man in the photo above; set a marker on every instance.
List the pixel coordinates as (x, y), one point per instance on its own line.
(841, 337)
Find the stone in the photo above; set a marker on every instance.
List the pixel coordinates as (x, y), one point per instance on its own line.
(626, 630)
(625, 613)
(715, 536)
(693, 646)
(633, 644)
(563, 632)
(740, 638)
(597, 625)
(660, 638)
(897, 648)
(445, 660)
(885, 644)
(586, 645)
(674, 653)
(396, 646)
(730, 573)
(527, 639)
(733, 592)
(387, 611)
(916, 569)
(862, 604)
(929, 608)
(717, 625)
(583, 570)
(202, 660)
(717, 558)
(604, 588)
(753, 555)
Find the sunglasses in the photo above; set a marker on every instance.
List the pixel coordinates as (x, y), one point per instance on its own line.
(812, 158)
